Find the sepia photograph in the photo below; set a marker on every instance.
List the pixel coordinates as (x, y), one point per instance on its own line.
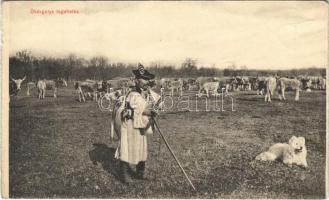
(164, 99)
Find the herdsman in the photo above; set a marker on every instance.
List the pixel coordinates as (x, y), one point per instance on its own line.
(135, 125)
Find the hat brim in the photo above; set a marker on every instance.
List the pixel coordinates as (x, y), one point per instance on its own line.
(146, 76)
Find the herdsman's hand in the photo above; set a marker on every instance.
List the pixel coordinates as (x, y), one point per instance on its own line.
(147, 113)
(154, 113)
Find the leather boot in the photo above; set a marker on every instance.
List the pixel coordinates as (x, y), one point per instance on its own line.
(140, 168)
(124, 172)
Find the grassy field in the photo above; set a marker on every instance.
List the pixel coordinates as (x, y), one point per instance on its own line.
(62, 148)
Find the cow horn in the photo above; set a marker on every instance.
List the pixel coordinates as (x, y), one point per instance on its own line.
(24, 78)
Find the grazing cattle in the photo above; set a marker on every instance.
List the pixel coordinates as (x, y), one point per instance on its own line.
(260, 84)
(209, 86)
(241, 83)
(238, 83)
(86, 88)
(176, 86)
(270, 86)
(225, 83)
(246, 83)
(120, 84)
(15, 86)
(201, 80)
(164, 83)
(100, 88)
(322, 83)
(191, 84)
(306, 83)
(315, 81)
(188, 83)
(253, 83)
(30, 85)
(44, 85)
(285, 83)
(41, 85)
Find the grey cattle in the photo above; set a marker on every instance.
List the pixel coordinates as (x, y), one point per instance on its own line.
(15, 85)
(44, 85)
(176, 86)
(270, 87)
(209, 86)
(30, 86)
(284, 83)
(86, 88)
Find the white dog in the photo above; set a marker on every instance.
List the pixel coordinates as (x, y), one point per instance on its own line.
(293, 153)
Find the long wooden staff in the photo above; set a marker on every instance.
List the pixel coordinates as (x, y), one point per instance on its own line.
(172, 153)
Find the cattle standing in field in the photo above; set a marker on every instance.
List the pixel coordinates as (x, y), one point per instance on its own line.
(44, 85)
(201, 80)
(270, 87)
(209, 86)
(164, 83)
(322, 83)
(176, 86)
(306, 83)
(246, 83)
(15, 86)
(120, 84)
(284, 83)
(188, 83)
(317, 82)
(225, 83)
(260, 84)
(86, 88)
(41, 85)
(238, 83)
(30, 85)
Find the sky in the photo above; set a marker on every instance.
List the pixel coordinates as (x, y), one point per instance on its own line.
(256, 34)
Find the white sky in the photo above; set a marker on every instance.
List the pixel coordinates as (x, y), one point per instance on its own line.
(257, 34)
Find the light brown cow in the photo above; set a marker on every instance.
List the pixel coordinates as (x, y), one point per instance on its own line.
(225, 83)
(284, 83)
(207, 87)
(323, 83)
(90, 88)
(30, 85)
(176, 86)
(44, 85)
(270, 86)
(201, 80)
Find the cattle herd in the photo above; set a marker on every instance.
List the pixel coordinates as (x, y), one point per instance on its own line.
(264, 85)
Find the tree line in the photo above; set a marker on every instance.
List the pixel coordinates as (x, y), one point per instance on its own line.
(72, 67)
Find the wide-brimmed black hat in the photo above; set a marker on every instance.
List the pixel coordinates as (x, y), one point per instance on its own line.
(142, 73)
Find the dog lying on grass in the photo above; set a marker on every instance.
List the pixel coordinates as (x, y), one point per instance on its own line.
(292, 153)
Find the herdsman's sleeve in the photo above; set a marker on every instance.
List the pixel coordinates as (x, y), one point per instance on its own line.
(138, 104)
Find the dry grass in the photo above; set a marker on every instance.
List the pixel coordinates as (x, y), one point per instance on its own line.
(62, 148)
